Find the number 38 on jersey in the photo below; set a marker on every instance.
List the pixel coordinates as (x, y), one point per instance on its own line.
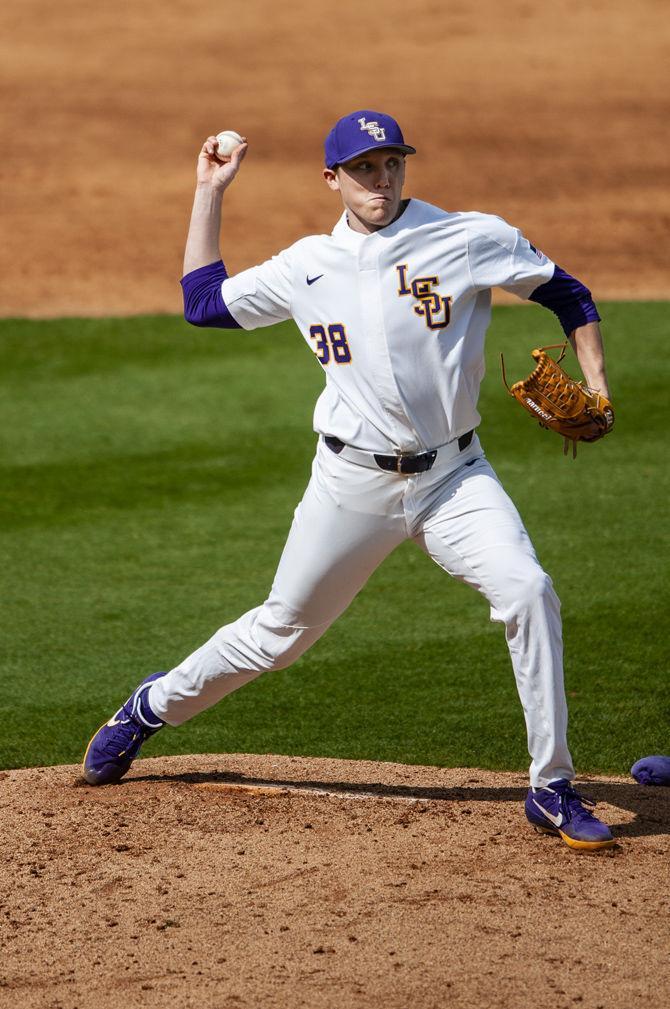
(331, 343)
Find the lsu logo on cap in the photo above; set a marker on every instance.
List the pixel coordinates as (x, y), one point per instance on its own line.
(376, 131)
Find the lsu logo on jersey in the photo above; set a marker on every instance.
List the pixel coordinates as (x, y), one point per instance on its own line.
(436, 310)
(376, 131)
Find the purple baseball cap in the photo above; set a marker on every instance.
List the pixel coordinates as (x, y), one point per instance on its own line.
(360, 132)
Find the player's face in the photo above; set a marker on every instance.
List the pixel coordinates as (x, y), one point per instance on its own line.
(371, 188)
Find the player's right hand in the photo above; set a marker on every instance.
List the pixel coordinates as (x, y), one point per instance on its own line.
(216, 171)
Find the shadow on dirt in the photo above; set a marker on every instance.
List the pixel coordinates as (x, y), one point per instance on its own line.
(651, 806)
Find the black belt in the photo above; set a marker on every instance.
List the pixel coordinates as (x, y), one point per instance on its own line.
(402, 463)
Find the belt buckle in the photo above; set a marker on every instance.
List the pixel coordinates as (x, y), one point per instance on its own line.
(399, 461)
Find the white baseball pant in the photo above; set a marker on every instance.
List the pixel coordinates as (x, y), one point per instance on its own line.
(350, 518)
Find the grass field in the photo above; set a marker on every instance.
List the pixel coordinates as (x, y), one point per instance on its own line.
(149, 475)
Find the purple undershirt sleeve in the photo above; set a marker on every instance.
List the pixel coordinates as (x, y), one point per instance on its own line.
(567, 298)
(203, 300)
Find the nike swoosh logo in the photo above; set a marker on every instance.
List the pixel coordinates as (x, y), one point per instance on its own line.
(556, 820)
(313, 280)
(116, 721)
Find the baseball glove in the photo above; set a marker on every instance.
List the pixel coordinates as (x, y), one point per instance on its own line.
(558, 402)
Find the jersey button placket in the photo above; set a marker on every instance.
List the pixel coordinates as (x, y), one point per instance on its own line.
(373, 324)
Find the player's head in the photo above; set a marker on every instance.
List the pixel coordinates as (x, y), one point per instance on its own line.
(365, 162)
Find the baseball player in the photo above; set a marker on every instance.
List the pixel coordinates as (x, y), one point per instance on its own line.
(394, 304)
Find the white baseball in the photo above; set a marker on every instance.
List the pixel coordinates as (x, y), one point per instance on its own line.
(228, 141)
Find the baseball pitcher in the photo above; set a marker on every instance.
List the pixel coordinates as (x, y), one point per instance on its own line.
(394, 304)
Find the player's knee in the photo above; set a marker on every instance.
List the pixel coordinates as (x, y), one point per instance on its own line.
(535, 586)
(284, 646)
(280, 636)
(523, 589)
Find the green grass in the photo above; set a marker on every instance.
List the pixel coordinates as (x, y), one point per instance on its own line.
(149, 472)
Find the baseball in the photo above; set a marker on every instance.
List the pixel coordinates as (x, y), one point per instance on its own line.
(228, 141)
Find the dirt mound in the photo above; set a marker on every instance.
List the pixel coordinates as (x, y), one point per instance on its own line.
(235, 880)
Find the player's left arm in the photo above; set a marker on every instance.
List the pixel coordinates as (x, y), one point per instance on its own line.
(587, 343)
(573, 305)
(500, 256)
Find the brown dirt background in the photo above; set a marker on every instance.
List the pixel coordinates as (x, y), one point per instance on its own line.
(401, 886)
(338, 883)
(551, 115)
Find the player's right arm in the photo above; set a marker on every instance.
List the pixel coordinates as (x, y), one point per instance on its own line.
(255, 297)
(204, 272)
(213, 175)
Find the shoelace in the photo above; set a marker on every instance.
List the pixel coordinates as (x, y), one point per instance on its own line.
(572, 805)
(125, 733)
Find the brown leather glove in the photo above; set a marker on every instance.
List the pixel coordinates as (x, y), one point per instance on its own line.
(561, 404)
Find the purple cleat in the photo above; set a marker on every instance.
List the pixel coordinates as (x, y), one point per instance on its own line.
(652, 771)
(559, 809)
(116, 743)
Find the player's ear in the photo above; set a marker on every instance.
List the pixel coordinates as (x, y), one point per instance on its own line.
(331, 179)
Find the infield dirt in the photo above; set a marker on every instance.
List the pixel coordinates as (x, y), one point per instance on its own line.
(553, 116)
(264, 881)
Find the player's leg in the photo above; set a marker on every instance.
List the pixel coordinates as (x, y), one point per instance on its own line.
(350, 518)
(471, 528)
(332, 549)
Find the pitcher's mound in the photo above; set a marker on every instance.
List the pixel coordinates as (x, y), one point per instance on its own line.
(264, 881)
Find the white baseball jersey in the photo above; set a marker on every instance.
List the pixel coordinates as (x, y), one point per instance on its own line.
(397, 319)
